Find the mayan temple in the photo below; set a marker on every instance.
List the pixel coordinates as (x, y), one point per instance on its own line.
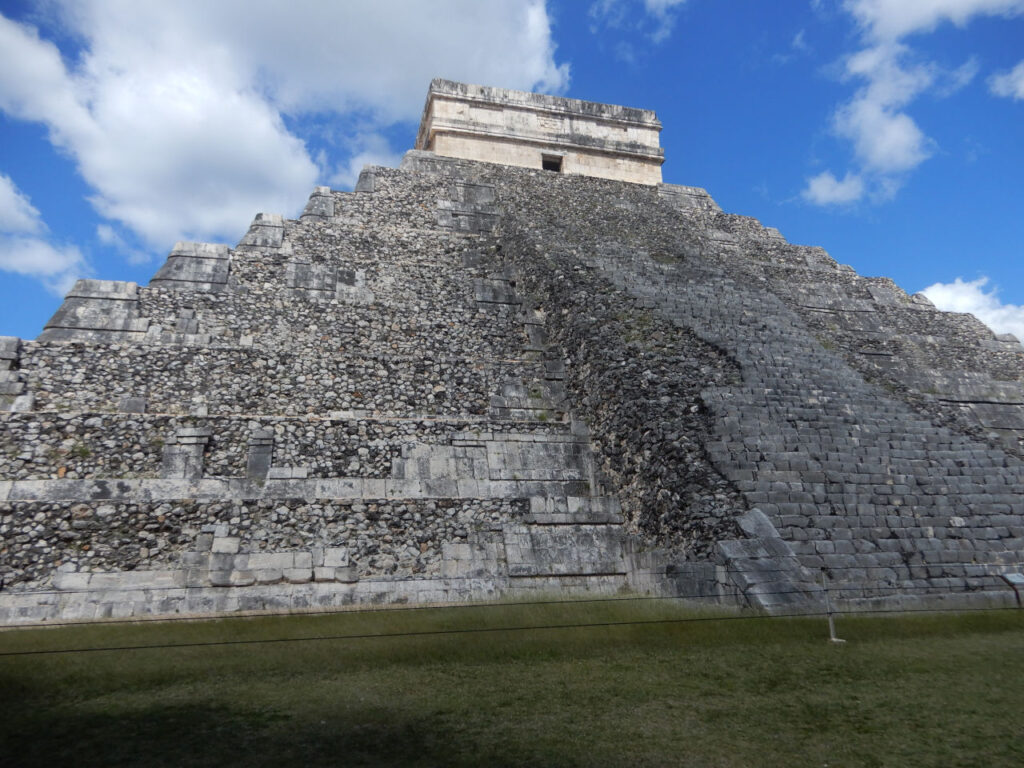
(517, 364)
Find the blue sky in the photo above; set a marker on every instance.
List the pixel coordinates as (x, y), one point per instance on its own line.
(890, 132)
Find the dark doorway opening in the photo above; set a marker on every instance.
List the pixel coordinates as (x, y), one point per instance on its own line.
(551, 163)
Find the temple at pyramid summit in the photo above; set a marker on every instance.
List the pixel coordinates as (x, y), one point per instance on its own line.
(532, 130)
(519, 364)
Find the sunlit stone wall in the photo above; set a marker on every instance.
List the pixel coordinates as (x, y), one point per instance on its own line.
(508, 127)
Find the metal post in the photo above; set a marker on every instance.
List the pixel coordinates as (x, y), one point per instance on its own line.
(828, 611)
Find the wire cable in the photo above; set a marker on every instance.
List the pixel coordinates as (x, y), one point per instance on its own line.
(473, 630)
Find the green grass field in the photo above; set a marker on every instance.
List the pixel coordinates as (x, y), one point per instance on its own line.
(922, 690)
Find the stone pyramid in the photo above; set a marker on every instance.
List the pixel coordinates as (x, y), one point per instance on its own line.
(518, 364)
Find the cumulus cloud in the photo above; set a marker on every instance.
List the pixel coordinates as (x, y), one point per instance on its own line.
(971, 296)
(887, 142)
(23, 247)
(17, 214)
(894, 19)
(1009, 84)
(56, 266)
(826, 189)
(885, 139)
(178, 114)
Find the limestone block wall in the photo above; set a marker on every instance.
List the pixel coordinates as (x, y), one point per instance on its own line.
(497, 125)
(572, 160)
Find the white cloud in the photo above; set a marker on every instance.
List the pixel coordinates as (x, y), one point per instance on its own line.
(1009, 84)
(969, 296)
(175, 113)
(887, 142)
(17, 214)
(23, 247)
(894, 19)
(826, 189)
(616, 14)
(57, 267)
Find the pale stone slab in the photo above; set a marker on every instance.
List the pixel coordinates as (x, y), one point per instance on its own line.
(336, 556)
(298, 575)
(498, 125)
(227, 545)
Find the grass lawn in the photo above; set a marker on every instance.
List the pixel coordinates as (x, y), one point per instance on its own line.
(924, 690)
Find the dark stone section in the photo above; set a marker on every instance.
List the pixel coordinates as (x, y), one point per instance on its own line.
(97, 311)
(195, 267)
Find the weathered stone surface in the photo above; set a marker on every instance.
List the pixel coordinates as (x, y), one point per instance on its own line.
(465, 380)
(195, 267)
(532, 130)
(97, 311)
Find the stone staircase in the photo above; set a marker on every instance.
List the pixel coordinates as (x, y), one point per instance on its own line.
(893, 507)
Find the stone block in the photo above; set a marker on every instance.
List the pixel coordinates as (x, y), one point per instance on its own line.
(132, 405)
(196, 267)
(71, 581)
(260, 454)
(336, 556)
(222, 562)
(367, 180)
(24, 403)
(273, 560)
(269, 575)
(227, 545)
(298, 575)
(220, 578)
(9, 347)
(322, 573)
(194, 559)
(242, 578)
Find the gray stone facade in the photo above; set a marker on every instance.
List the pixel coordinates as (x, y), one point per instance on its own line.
(464, 380)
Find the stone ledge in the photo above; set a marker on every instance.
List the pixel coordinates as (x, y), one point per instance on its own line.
(214, 489)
